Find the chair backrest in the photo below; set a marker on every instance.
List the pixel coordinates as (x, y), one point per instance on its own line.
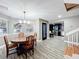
(21, 34)
(35, 35)
(30, 40)
(6, 42)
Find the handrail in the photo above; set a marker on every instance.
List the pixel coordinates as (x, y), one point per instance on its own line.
(72, 37)
(73, 31)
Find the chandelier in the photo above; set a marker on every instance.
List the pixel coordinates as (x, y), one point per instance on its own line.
(24, 20)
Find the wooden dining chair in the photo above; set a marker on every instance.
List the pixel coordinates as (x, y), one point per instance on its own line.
(21, 35)
(35, 39)
(29, 45)
(9, 47)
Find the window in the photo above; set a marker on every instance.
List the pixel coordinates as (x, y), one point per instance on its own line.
(3, 27)
(27, 28)
(17, 27)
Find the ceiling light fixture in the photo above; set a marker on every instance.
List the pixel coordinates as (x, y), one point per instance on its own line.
(28, 22)
(59, 16)
(24, 21)
(20, 21)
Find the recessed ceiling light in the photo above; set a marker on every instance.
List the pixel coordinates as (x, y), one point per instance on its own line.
(59, 16)
(20, 21)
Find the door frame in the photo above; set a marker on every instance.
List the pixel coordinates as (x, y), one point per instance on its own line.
(43, 38)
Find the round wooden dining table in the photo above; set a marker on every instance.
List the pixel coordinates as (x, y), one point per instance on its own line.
(19, 41)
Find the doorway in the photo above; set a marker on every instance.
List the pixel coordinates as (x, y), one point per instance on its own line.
(44, 31)
(56, 29)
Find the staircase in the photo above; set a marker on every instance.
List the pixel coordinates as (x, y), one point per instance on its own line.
(72, 40)
(72, 37)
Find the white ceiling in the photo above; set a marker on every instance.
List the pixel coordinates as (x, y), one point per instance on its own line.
(72, 1)
(35, 9)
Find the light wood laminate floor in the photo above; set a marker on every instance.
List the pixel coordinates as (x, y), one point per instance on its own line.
(48, 49)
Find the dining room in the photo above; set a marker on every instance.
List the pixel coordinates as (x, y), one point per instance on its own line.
(22, 46)
(13, 34)
(24, 40)
(37, 29)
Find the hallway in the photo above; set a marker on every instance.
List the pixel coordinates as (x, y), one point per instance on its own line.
(51, 49)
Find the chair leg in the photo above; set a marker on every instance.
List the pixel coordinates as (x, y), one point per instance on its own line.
(14, 57)
(25, 53)
(7, 54)
(32, 51)
(23, 56)
(19, 57)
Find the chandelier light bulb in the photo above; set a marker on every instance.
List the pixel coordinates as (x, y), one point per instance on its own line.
(24, 21)
(20, 21)
(28, 22)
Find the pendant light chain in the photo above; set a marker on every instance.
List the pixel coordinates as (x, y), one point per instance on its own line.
(24, 14)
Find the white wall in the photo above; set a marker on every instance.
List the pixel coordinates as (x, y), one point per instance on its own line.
(36, 27)
(70, 23)
(37, 24)
(40, 28)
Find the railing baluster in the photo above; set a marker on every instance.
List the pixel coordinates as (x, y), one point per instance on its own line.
(78, 37)
(68, 38)
(73, 37)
